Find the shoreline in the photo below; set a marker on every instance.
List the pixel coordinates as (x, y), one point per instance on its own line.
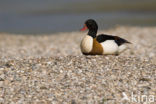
(59, 44)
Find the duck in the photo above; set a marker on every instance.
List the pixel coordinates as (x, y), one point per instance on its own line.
(102, 44)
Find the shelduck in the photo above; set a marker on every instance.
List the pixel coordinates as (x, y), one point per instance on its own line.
(93, 44)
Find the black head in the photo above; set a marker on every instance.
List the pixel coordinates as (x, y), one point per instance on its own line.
(92, 26)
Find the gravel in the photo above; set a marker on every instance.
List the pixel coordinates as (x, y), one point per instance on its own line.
(50, 69)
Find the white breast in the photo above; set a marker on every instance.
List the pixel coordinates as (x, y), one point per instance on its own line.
(110, 47)
(86, 44)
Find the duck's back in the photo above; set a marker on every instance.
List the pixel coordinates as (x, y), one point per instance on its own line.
(112, 44)
(103, 37)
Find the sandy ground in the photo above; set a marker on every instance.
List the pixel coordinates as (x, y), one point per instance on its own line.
(50, 69)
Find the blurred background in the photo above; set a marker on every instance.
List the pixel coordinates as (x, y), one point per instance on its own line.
(50, 16)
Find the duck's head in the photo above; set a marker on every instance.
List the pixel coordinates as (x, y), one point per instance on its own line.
(92, 26)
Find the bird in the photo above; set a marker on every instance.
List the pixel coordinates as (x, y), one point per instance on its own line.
(102, 44)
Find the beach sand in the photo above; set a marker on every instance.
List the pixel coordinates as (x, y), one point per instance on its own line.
(50, 69)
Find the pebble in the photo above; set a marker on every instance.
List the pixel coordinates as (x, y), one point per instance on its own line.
(45, 71)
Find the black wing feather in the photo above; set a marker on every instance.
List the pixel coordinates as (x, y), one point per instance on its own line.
(103, 37)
